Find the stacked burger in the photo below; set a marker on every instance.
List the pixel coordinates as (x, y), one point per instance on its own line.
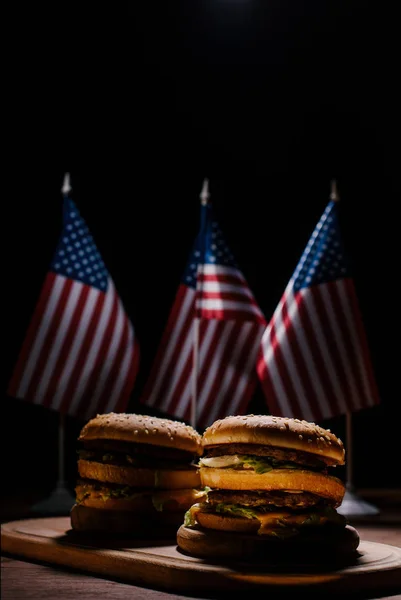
(269, 488)
(136, 474)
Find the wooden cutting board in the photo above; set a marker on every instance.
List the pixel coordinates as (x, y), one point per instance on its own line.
(159, 564)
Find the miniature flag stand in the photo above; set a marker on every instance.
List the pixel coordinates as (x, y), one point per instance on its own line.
(61, 499)
(80, 354)
(353, 505)
(315, 360)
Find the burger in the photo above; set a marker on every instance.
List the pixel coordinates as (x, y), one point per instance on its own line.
(268, 489)
(136, 474)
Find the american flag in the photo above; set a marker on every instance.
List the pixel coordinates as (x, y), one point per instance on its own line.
(314, 361)
(80, 354)
(214, 296)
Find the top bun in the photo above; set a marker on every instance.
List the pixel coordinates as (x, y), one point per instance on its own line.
(143, 429)
(280, 432)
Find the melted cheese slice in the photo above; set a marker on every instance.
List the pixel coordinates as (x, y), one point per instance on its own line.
(269, 521)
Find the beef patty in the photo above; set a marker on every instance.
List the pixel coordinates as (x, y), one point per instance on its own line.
(147, 451)
(262, 498)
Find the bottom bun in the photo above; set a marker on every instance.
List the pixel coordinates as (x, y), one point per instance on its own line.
(158, 524)
(318, 545)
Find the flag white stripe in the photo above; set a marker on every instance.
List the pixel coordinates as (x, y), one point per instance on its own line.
(90, 361)
(340, 344)
(62, 331)
(230, 369)
(225, 305)
(80, 333)
(176, 371)
(216, 287)
(288, 359)
(303, 342)
(252, 350)
(186, 308)
(348, 312)
(123, 371)
(111, 352)
(208, 269)
(206, 340)
(36, 349)
(212, 373)
(323, 344)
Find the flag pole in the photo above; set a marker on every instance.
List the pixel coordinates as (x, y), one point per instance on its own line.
(352, 505)
(204, 198)
(60, 500)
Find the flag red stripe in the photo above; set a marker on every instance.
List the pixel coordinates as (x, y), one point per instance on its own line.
(328, 329)
(31, 335)
(266, 381)
(351, 358)
(212, 358)
(300, 361)
(239, 371)
(126, 391)
(98, 367)
(244, 370)
(115, 366)
(159, 360)
(247, 395)
(231, 296)
(49, 339)
(229, 315)
(66, 346)
(221, 278)
(177, 360)
(162, 378)
(363, 341)
(206, 363)
(83, 351)
(282, 367)
(324, 376)
(223, 358)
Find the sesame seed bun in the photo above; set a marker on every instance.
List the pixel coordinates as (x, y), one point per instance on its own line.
(279, 432)
(323, 485)
(143, 429)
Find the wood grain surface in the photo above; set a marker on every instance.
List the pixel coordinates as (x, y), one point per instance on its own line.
(160, 565)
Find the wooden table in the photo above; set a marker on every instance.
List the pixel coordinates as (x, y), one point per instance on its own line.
(23, 580)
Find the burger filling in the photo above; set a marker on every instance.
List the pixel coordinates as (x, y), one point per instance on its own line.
(262, 457)
(160, 500)
(136, 455)
(268, 520)
(281, 512)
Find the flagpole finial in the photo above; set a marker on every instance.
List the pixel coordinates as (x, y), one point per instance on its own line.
(205, 195)
(66, 189)
(334, 191)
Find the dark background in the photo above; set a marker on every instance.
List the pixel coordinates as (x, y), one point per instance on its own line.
(269, 100)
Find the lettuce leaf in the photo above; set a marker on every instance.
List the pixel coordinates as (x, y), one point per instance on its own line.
(235, 509)
(263, 464)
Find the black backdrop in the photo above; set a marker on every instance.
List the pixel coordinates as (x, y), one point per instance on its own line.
(269, 100)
